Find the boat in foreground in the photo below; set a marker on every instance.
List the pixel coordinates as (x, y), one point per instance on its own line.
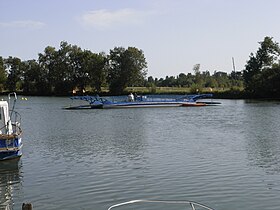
(168, 204)
(96, 102)
(10, 131)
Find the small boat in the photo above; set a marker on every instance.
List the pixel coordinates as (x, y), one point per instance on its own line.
(168, 204)
(96, 102)
(10, 131)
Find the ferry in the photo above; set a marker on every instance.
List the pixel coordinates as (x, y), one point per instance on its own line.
(96, 102)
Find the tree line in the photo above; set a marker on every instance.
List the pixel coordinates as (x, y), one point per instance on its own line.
(68, 68)
(60, 71)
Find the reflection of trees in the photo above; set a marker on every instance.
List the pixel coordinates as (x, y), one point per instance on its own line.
(263, 136)
(119, 132)
(127, 133)
(9, 179)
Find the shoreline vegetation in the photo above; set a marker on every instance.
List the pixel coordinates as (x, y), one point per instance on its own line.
(217, 93)
(70, 70)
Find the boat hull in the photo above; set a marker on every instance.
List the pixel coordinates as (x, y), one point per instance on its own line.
(10, 155)
(10, 148)
(138, 105)
(194, 104)
(141, 105)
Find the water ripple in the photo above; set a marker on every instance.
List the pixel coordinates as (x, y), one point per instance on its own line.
(225, 156)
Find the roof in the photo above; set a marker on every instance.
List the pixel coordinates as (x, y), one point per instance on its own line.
(3, 103)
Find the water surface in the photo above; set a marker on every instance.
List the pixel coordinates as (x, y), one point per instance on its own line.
(226, 156)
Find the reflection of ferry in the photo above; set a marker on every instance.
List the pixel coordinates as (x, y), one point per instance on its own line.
(9, 180)
(10, 131)
(96, 102)
(147, 204)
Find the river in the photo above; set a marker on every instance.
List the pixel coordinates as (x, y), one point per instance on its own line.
(225, 156)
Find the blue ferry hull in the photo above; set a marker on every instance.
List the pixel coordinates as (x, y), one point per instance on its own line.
(10, 148)
(10, 155)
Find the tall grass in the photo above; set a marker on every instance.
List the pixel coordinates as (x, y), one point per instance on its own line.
(177, 90)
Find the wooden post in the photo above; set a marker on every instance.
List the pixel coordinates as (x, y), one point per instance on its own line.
(26, 206)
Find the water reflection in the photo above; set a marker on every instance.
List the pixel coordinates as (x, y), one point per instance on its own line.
(10, 179)
(125, 133)
(95, 134)
(89, 159)
(262, 133)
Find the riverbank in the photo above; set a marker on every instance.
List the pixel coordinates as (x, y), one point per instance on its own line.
(218, 93)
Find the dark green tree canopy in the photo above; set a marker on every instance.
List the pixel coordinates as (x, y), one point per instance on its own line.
(70, 67)
(3, 74)
(13, 66)
(127, 67)
(261, 69)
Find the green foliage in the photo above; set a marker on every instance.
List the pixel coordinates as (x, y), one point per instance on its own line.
(70, 67)
(127, 67)
(32, 81)
(196, 69)
(3, 74)
(153, 89)
(195, 89)
(13, 66)
(47, 62)
(95, 66)
(261, 74)
(200, 80)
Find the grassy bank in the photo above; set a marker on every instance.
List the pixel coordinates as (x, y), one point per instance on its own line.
(217, 92)
(233, 93)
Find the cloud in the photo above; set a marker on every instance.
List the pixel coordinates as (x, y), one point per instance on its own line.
(104, 19)
(28, 24)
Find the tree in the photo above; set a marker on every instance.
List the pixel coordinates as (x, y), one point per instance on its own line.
(32, 77)
(150, 80)
(77, 73)
(62, 68)
(47, 62)
(236, 79)
(169, 81)
(198, 79)
(267, 83)
(127, 67)
(258, 66)
(222, 79)
(196, 69)
(63, 73)
(3, 74)
(13, 67)
(181, 79)
(96, 68)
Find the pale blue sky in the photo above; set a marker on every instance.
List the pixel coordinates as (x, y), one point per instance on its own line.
(174, 34)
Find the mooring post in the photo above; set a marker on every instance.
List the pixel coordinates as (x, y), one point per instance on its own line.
(26, 206)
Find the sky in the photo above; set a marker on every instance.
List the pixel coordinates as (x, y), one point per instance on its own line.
(174, 35)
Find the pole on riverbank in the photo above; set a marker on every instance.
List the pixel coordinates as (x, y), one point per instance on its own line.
(26, 206)
(233, 64)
